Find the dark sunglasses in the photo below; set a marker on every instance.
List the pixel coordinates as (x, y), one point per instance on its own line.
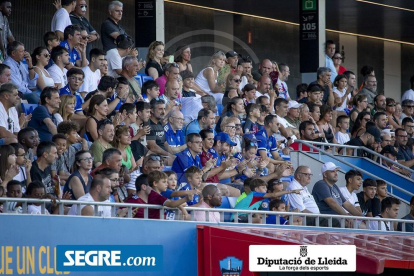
(237, 80)
(391, 104)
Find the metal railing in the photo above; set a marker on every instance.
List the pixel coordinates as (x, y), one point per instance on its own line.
(250, 213)
(355, 148)
(335, 157)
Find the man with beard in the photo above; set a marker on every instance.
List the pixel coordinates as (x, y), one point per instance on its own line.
(379, 104)
(264, 69)
(370, 88)
(205, 120)
(281, 81)
(371, 137)
(9, 120)
(106, 133)
(405, 155)
(156, 138)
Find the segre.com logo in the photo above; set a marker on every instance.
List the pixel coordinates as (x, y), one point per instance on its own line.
(109, 257)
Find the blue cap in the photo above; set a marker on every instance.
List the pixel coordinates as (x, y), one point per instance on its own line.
(250, 136)
(224, 137)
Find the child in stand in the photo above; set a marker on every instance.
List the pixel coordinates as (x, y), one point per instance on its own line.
(263, 113)
(172, 185)
(246, 186)
(29, 139)
(278, 205)
(188, 84)
(381, 189)
(253, 114)
(37, 190)
(58, 166)
(342, 135)
(194, 178)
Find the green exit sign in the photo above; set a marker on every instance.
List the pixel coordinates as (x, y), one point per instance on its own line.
(309, 5)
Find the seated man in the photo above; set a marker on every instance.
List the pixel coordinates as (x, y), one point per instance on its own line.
(41, 170)
(106, 133)
(211, 199)
(410, 216)
(369, 204)
(389, 209)
(405, 155)
(175, 141)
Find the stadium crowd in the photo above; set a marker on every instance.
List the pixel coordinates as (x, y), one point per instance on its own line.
(185, 138)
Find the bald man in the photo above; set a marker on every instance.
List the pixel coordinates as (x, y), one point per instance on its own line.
(174, 136)
(211, 199)
(265, 68)
(264, 88)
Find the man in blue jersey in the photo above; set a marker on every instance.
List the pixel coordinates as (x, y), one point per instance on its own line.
(174, 136)
(205, 120)
(72, 42)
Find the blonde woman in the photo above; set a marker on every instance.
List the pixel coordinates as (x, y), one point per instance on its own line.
(66, 108)
(207, 78)
(232, 87)
(154, 57)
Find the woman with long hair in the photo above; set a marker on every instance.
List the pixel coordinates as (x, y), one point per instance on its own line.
(40, 58)
(232, 87)
(207, 78)
(337, 61)
(359, 126)
(8, 167)
(234, 107)
(66, 108)
(97, 111)
(122, 141)
(80, 180)
(360, 104)
(183, 57)
(390, 111)
(324, 124)
(342, 94)
(154, 57)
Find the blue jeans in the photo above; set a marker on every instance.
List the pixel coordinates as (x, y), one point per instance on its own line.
(32, 98)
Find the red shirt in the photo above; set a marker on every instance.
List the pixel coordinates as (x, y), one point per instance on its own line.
(102, 166)
(134, 199)
(204, 157)
(156, 199)
(295, 146)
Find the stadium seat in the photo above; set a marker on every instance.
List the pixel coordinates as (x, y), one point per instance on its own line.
(146, 78)
(219, 108)
(28, 108)
(139, 79)
(227, 203)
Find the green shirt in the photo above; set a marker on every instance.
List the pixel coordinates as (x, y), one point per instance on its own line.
(97, 150)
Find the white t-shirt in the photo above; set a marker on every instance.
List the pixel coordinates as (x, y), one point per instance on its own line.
(302, 201)
(103, 211)
(58, 75)
(352, 198)
(408, 95)
(341, 94)
(114, 62)
(14, 119)
(36, 210)
(258, 94)
(373, 225)
(60, 20)
(342, 138)
(190, 106)
(283, 89)
(91, 80)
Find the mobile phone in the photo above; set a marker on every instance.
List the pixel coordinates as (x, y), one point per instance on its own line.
(171, 59)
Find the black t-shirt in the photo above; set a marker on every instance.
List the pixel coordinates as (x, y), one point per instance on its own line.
(43, 176)
(157, 133)
(358, 142)
(249, 126)
(107, 28)
(154, 65)
(325, 94)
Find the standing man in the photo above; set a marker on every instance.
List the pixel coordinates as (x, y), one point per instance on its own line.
(281, 81)
(130, 68)
(61, 18)
(329, 53)
(324, 76)
(111, 29)
(77, 17)
(6, 35)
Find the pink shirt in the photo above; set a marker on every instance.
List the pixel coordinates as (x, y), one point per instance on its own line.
(161, 82)
(201, 215)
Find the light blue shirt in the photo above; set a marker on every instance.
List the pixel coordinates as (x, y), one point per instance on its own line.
(20, 76)
(329, 63)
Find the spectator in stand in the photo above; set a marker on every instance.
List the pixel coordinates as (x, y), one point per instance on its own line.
(40, 58)
(409, 94)
(301, 91)
(6, 35)
(249, 94)
(337, 61)
(390, 152)
(140, 196)
(325, 79)
(281, 81)
(408, 109)
(183, 57)
(77, 17)
(409, 227)
(360, 104)
(97, 111)
(51, 40)
(405, 155)
(408, 125)
(175, 141)
(10, 124)
(43, 119)
(398, 110)
(230, 66)
(389, 209)
(92, 72)
(124, 44)
(8, 169)
(247, 66)
(205, 120)
(111, 158)
(61, 18)
(76, 48)
(14, 190)
(42, 168)
(342, 124)
(379, 104)
(264, 89)
(75, 78)
(381, 121)
(141, 127)
(231, 125)
(235, 107)
(24, 166)
(307, 133)
(172, 90)
(207, 78)
(211, 199)
(265, 67)
(232, 87)
(390, 111)
(80, 180)
(369, 89)
(325, 126)
(100, 191)
(24, 78)
(154, 57)
(130, 68)
(381, 190)
(366, 70)
(104, 68)
(315, 114)
(369, 204)
(29, 138)
(252, 115)
(353, 181)
(106, 133)
(327, 195)
(58, 168)
(188, 84)
(171, 73)
(314, 92)
(266, 140)
(66, 108)
(150, 91)
(386, 139)
(342, 93)
(38, 190)
(359, 126)
(370, 139)
(292, 116)
(110, 29)
(156, 138)
(287, 131)
(122, 141)
(57, 71)
(5, 73)
(330, 48)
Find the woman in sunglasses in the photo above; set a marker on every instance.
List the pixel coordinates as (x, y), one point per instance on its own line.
(79, 182)
(390, 111)
(232, 87)
(337, 60)
(360, 123)
(360, 104)
(40, 58)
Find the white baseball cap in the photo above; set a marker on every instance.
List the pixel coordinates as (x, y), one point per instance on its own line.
(294, 104)
(329, 166)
